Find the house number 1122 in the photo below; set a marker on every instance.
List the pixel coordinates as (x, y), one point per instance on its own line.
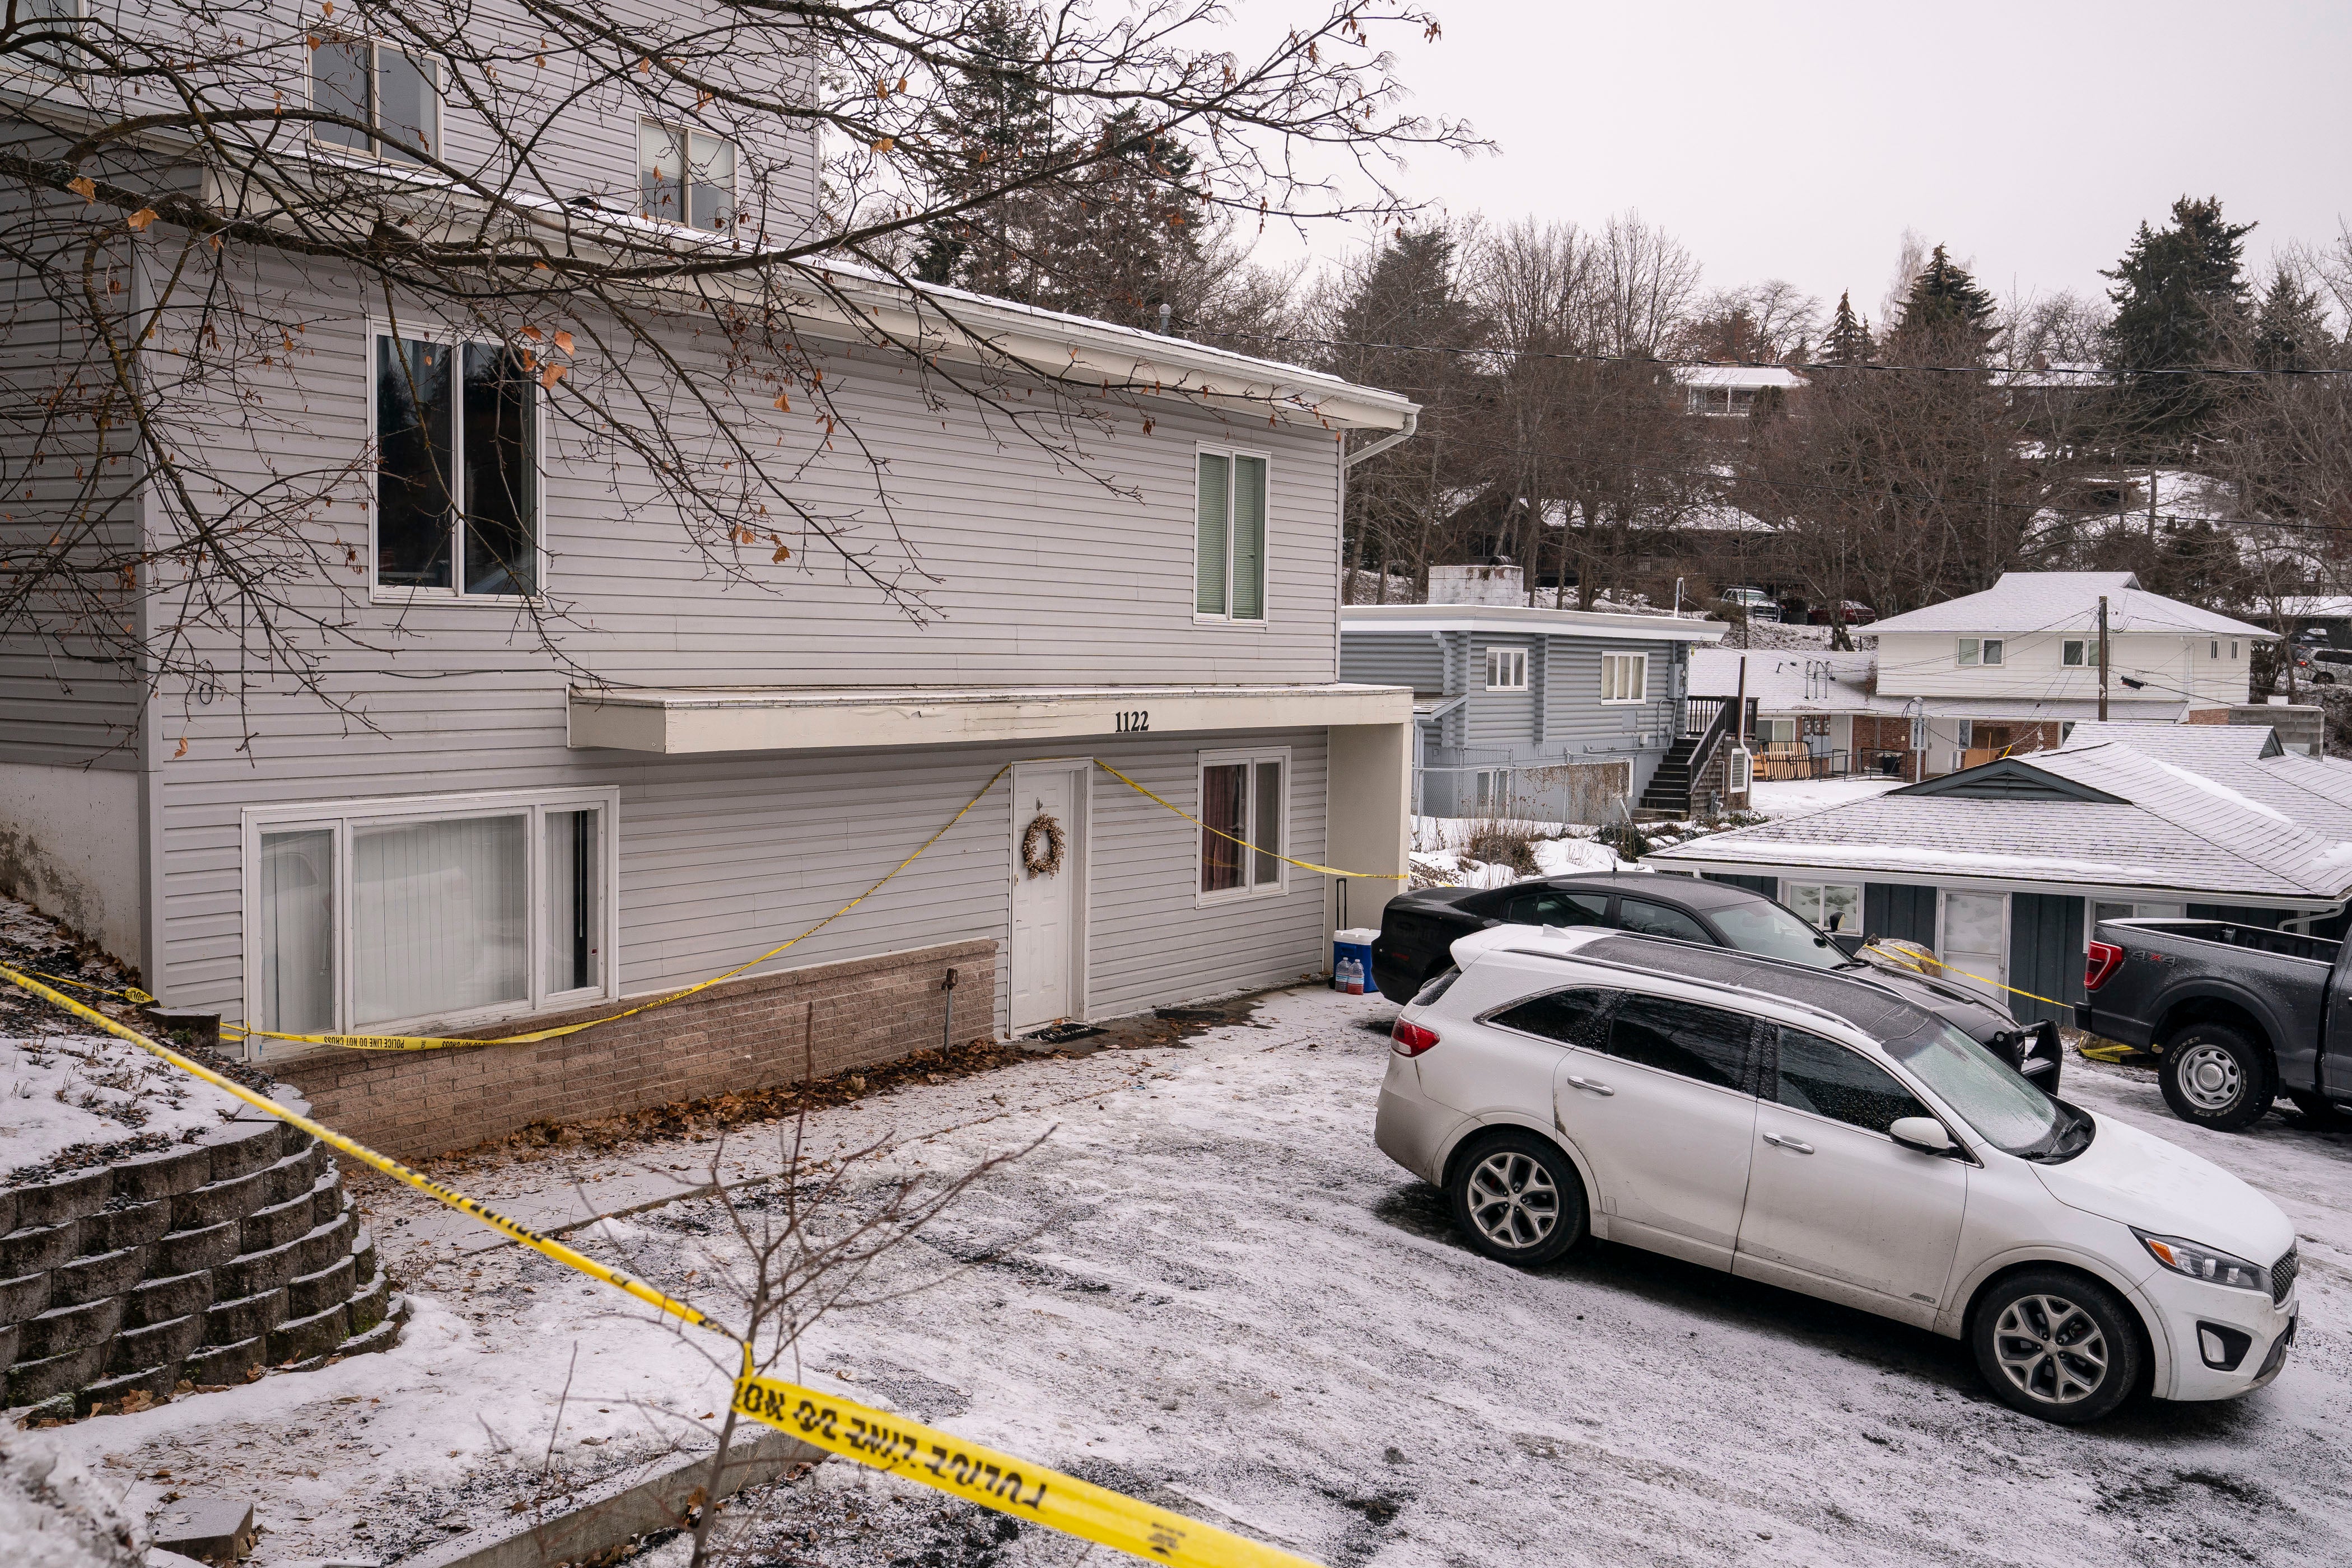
(1135, 721)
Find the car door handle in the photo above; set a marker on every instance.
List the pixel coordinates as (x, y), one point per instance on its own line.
(1592, 1086)
(1794, 1145)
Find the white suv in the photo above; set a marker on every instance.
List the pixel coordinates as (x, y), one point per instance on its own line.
(1797, 1127)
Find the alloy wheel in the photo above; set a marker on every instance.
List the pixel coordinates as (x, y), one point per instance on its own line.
(1513, 1200)
(2209, 1077)
(2051, 1349)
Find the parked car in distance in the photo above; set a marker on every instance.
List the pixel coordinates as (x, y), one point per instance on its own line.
(1753, 603)
(1418, 931)
(2328, 665)
(2237, 1015)
(1806, 1129)
(1857, 614)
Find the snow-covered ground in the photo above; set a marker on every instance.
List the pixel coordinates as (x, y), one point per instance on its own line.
(1442, 853)
(1801, 797)
(1207, 1286)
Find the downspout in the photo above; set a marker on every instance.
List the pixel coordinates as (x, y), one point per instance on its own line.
(1412, 423)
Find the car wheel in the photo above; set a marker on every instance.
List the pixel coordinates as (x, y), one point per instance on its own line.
(1517, 1199)
(2057, 1344)
(2215, 1077)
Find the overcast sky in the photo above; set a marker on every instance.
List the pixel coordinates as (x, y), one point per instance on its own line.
(1799, 139)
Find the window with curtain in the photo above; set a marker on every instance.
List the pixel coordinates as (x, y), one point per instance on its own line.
(456, 469)
(1229, 536)
(1244, 799)
(370, 919)
(1624, 677)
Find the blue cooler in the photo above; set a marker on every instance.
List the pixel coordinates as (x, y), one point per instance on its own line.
(1351, 961)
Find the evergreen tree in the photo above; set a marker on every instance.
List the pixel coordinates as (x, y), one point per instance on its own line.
(997, 109)
(1946, 313)
(2291, 326)
(2181, 299)
(1848, 339)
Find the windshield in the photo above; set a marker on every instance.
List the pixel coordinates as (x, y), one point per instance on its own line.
(1986, 1092)
(1773, 931)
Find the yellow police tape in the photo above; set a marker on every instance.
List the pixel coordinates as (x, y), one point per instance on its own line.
(1302, 865)
(886, 1442)
(1898, 955)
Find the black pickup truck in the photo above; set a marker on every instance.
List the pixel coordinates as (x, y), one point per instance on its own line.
(2237, 1015)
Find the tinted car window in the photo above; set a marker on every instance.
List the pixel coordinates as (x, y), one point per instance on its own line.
(1656, 920)
(1684, 1038)
(1825, 1077)
(1571, 1017)
(1552, 907)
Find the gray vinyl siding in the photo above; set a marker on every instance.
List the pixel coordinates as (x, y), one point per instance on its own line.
(1899, 911)
(1500, 719)
(723, 858)
(2045, 956)
(1394, 659)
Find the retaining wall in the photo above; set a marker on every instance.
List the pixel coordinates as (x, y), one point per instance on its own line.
(758, 1032)
(202, 1262)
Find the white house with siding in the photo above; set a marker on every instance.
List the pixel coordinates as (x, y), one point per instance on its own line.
(516, 835)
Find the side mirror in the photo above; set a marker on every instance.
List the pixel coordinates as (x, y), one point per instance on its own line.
(1924, 1134)
(1489, 923)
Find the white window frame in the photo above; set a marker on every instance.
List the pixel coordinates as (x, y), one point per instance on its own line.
(379, 594)
(688, 130)
(1973, 652)
(375, 152)
(1504, 661)
(1790, 891)
(1265, 557)
(2079, 653)
(341, 818)
(1248, 890)
(1640, 686)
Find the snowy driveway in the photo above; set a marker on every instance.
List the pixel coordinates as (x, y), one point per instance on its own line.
(1238, 1305)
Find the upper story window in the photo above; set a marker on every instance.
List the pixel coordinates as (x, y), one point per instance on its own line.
(1506, 670)
(1980, 651)
(395, 95)
(1624, 677)
(2080, 651)
(1229, 536)
(685, 176)
(457, 493)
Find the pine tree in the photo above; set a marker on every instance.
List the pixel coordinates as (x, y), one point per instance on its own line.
(2180, 297)
(997, 109)
(2291, 326)
(1848, 339)
(1946, 314)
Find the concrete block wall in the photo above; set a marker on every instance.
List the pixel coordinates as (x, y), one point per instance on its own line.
(758, 1031)
(201, 1262)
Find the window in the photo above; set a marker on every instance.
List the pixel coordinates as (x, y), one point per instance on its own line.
(1773, 931)
(1552, 907)
(1684, 1038)
(456, 469)
(2233, 650)
(1506, 670)
(397, 96)
(1967, 730)
(685, 176)
(1229, 537)
(1571, 1017)
(2082, 652)
(1980, 651)
(371, 914)
(1244, 813)
(1777, 732)
(1624, 677)
(1821, 903)
(1647, 919)
(1491, 791)
(1825, 1077)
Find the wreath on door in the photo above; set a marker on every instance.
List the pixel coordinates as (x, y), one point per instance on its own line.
(1041, 846)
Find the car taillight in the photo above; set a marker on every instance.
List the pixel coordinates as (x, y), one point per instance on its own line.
(1411, 1039)
(2103, 959)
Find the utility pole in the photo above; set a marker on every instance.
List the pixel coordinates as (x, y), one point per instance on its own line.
(2103, 658)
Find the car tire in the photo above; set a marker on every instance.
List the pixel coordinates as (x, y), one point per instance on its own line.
(1516, 1198)
(2057, 1344)
(2215, 1077)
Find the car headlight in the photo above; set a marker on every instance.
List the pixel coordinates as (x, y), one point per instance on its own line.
(2204, 1263)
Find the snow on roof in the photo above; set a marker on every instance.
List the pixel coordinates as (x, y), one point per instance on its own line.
(2053, 601)
(2171, 829)
(1748, 376)
(2316, 793)
(2319, 607)
(1788, 681)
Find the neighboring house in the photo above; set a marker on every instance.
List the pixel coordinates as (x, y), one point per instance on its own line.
(2003, 868)
(512, 839)
(1555, 714)
(2003, 672)
(1735, 391)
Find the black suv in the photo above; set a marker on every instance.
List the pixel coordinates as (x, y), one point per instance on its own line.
(1418, 931)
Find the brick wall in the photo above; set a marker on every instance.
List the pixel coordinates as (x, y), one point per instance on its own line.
(1875, 733)
(754, 1033)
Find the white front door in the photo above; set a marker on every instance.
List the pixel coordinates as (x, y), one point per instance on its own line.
(1043, 960)
(1976, 941)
